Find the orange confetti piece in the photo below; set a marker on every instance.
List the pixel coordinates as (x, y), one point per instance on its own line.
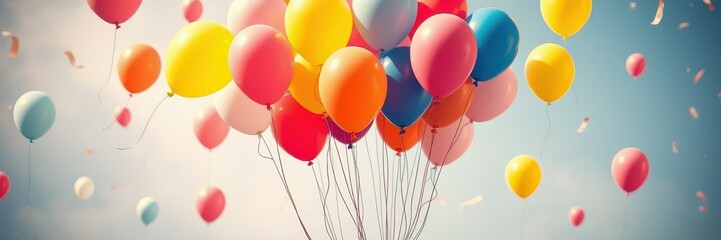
(698, 76)
(71, 58)
(701, 195)
(703, 209)
(659, 13)
(15, 44)
(709, 4)
(632, 5)
(693, 112)
(674, 149)
(441, 201)
(584, 125)
(89, 151)
(719, 94)
(683, 25)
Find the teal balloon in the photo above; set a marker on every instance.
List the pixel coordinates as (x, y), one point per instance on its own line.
(384, 24)
(497, 39)
(34, 114)
(147, 210)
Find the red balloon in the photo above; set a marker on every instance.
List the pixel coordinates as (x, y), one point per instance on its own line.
(301, 133)
(4, 185)
(210, 203)
(428, 8)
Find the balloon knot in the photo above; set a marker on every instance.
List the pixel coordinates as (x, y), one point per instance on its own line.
(475, 82)
(259, 134)
(398, 152)
(130, 95)
(350, 146)
(353, 136)
(434, 130)
(436, 101)
(170, 94)
(117, 25)
(325, 115)
(403, 130)
(267, 107)
(310, 163)
(565, 39)
(549, 103)
(31, 141)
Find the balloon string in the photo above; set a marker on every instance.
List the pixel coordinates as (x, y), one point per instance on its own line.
(573, 87)
(543, 144)
(112, 62)
(27, 194)
(625, 216)
(210, 152)
(523, 216)
(146, 124)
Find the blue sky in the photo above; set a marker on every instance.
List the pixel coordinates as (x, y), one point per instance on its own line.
(171, 165)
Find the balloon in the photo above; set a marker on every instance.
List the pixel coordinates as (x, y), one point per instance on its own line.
(394, 138)
(450, 109)
(261, 62)
(492, 98)
(317, 28)
(497, 39)
(428, 8)
(356, 40)
(210, 203)
(444, 137)
(299, 132)
(210, 129)
(34, 114)
(576, 215)
(630, 169)
(384, 24)
(114, 11)
(235, 108)
(443, 54)
(635, 65)
(304, 86)
(192, 9)
(406, 100)
(523, 175)
(549, 72)
(147, 209)
(566, 17)
(352, 88)
(138, 67)
(197, 59)
(343, 136)
(244, 13)
(5, 185)
(122, 116)
(84, 188)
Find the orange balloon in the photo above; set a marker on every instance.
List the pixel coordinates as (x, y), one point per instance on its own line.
(139, 67)
(392, 137)
(451, 108)
(304, 86)
(352, 88)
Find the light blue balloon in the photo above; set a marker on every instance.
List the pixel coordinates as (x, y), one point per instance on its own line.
(497, 39)
(147, 210)
(384, 24)
(34, 114)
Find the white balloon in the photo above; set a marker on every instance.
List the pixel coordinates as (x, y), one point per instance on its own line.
(84, 188)
(240, 112)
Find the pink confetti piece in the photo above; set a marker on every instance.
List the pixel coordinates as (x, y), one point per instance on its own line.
(89, 151)
(693, 112)
(584, 125)
(701, 195)
(698, 76)
(71, 58)
(674, 149)
(683, 25)
(15, 44)
(659, 13)
(632, 5)
(703, 209)
(709, 4)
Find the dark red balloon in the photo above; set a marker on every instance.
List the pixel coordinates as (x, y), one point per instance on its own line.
(301, 133)
(343, 136)
(428, 8)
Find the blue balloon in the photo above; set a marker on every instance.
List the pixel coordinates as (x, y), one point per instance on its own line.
(497, 39)
(147, 210)
(406, 100)
(384, 24)
(34, 114)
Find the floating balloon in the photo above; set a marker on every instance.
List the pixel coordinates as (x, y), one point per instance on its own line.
(114, 11)
(492, 98)
(244, 13)
(147, 209)
(384, 24)
(630, 169)
(261, 62)
(210, 203)
(138, 67)
(450, 109)
(566, 17)
(192, 9)
(317, 28)
(576, 215)
(356, 40)
(449, 143)
(5, 185)
(197, 59)
(352, 103)
(122, 116)
(34, 114)
(428, 8)
(406, 100)
(304, 86)
(523, 175)
(210, 129)
(549, 72)
(635, 65)
(343, 136)
(497, 39)
(84, 188)
(235, 108)
(395, 139)
(301, 133)
(443, 54)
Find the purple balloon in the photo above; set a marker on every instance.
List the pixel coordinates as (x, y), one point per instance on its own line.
(343, 136)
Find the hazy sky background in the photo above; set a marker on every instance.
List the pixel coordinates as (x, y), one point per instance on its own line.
(171, 165)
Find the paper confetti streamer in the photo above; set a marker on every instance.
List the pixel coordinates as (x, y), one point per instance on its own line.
(632, 5)
(583, 126)
(441, 201)
(674, 149)
(683, 25)
(71, 58)
(709, 4)
(701, 195)
(15, 44)
(698, 76)
(659, 13)
(703, 209)
(473, 201)
(693, 112)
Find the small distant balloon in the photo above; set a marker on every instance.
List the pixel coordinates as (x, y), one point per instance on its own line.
(635, 65)
(34, 114)
(122, 116)
(210, 203)
(703, 209)
(632, 5)
(192, 9)
(4, 185)
(84, 188)
(210, 129)
(147, 209)
(701, 195)
(576, 216)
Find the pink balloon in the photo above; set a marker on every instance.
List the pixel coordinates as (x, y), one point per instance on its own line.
(443, 53)
(576, 215)
(406, 42)
(243, 13)
(492, 98)
(235, 108)
(635, 65)
(443, 139)
(210, 203)
(630, 169)
(4, 185)
(122, 116)
(114, 11)
(210, 129)
(261, 62)
(192, 9)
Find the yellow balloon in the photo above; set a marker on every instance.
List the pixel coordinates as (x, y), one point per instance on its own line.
(549, 72)
(566, 17)
(317, 28)
(304, 86)
(197, 59)
(523, 175)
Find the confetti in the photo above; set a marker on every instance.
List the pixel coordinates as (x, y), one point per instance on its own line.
(701, 195)
(632, 5)
(698, 76)
(473, 201)
(683, 25)
(693, 112)
(441, 201)
(719, 94)
(703, 209)
(583, 126)
(659, 13)
(71, 58)
(688, 70)
(15, 44)
(89, 151)
(709, 4)
(674, 149)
